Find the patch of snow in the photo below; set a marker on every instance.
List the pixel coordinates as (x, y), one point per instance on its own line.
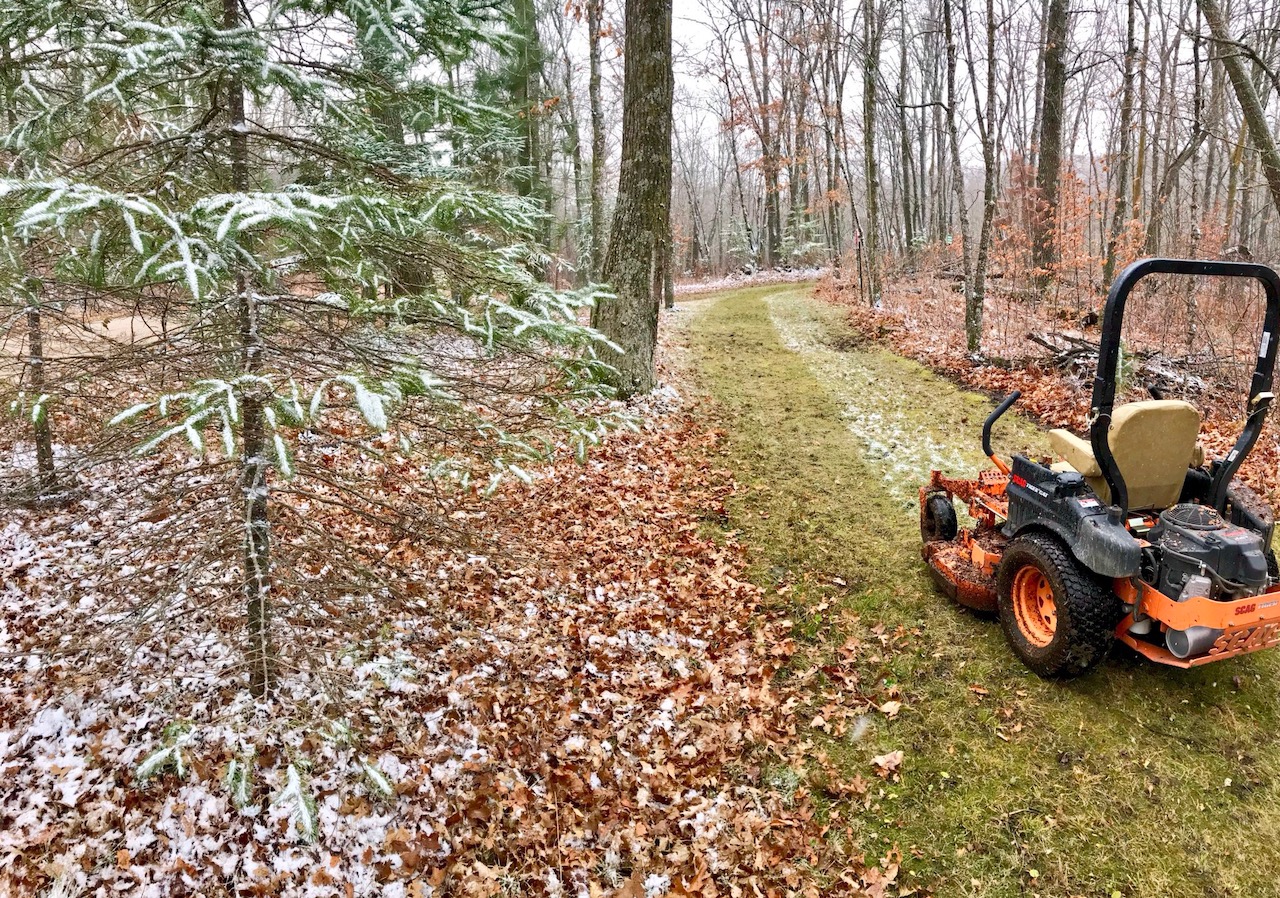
(903, 448)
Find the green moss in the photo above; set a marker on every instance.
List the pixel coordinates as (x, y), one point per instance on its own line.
(1114, 783)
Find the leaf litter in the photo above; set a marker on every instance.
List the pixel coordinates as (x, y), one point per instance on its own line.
(593, 711)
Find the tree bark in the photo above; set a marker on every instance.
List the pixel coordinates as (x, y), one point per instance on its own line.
(254, 468)
(632, 262)
(1140, 154)
(1044, 244)
(972, 314)
(870, 64)
(904, 139)
(1233, 180)
(46, 472)
(1120, 212)
(597, 140)
(526, 84)
(1250, 105)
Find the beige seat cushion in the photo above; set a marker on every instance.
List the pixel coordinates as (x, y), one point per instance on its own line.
(1075, 452)
(1154, 442)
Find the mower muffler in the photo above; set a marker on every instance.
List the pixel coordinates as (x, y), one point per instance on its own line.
(1182, 644)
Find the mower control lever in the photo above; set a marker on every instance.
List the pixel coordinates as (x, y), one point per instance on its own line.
(990, 422)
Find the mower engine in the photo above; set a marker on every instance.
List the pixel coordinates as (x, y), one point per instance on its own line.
(1194, 552)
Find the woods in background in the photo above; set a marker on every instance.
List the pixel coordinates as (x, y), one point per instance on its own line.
(1044, 143)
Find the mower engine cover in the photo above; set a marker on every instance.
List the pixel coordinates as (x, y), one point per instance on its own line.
(1193, 540)
(1063, 504)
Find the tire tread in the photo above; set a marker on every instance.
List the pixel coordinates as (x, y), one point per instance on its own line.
(1088, 609)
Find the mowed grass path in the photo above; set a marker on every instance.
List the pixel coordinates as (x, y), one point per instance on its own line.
(1138, 780)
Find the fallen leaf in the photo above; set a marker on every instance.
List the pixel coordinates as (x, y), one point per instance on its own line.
(887, 764)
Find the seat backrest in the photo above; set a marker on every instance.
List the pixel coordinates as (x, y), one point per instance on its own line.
(1154, 443)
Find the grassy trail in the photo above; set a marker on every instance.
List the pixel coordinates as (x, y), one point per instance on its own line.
(1135, 781)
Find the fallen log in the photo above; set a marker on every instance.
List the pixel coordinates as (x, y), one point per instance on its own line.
(1063, 356)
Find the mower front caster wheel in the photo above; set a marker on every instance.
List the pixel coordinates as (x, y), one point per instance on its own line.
(938, 519)
(1057, 616)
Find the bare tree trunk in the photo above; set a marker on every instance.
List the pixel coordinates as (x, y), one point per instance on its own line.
(1254, 116)
(573, 138)
(908, 225)
(526, 90)
(635, 252)
(870, 64)
(1044, 245)
(747, 232)
(972, 313)
(978, 295)
(46, 473)
(254, 484)
(1233, 181)
(697, 227)
(1140, 156)
(1162, 135)
(1034, 157)
(597, 140)
(1120, 212)
(829, 78)
(767, 130)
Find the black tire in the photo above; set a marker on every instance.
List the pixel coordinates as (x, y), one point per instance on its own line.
(938, 519)
(1273, 569)
(1085, 609)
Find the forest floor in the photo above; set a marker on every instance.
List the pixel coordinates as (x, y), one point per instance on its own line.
(580, 700)
(707, 662)
(1137, 780)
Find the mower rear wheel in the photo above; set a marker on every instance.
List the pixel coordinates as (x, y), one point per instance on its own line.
(1058, 616)
(938, 519)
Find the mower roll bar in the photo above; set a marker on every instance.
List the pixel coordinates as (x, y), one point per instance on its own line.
(1104, 384)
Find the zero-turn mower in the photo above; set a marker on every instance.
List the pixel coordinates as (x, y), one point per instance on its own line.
(1127, 535)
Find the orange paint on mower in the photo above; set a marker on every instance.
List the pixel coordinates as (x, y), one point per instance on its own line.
(1128, 536)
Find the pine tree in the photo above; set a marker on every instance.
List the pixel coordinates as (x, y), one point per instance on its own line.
(24, 297)
(259, 178)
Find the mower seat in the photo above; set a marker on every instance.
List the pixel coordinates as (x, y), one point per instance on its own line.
(1154, 442)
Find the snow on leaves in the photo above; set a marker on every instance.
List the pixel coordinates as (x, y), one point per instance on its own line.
(593, 713)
